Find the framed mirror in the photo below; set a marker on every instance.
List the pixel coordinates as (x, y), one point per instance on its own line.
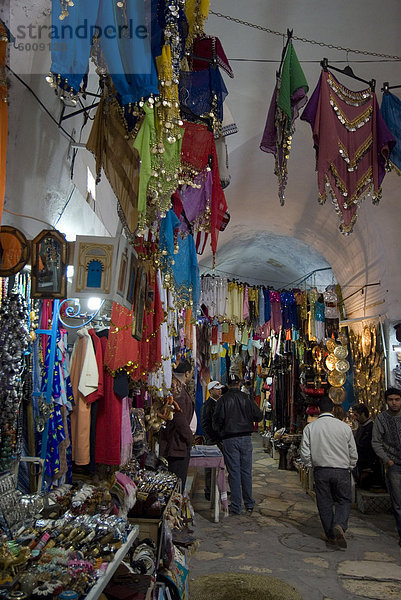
(49, 265)
(139, 303)
(14, 251)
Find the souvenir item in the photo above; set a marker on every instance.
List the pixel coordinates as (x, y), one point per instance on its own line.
(391, 113)
(4, 39)
(331, 362)
(337, 394)
(289, 97)
(49, 265)
(336, 379)
(376, 374)
(352, 145)
(342, 366)
(14, 251)
(341, 352)
(94, 266)
(361, 379)
(331, 345)
(366, 341)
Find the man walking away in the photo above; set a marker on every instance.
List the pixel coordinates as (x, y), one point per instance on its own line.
(211, 436)
(234, 419)
(386, 442)
(328, 446)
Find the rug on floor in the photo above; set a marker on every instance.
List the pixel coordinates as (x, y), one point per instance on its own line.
(226, 586)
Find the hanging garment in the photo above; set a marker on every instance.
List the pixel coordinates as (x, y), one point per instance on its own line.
(203, 92)
(352, 144)
(276, 318)
(207, 50)
(3, 114)
(198, 154)
(127, 55)
(289, 97)
(196, 201)
(160, 165)
(120, 160)
(109, 415)
(391, 113)
(84, 381)
(289, 309)
(180, 260)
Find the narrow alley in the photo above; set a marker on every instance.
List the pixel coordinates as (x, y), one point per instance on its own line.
(283, 539)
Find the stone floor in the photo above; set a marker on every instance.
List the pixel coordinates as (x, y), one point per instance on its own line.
(283, 538)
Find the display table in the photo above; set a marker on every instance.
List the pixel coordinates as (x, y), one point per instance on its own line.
(211, 457)
(101, 583)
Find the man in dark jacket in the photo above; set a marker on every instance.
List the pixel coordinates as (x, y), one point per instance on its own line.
(368, 469)
(234, 419)
(210, 435)
(175, 440)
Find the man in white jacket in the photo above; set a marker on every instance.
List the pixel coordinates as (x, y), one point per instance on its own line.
(328, 446)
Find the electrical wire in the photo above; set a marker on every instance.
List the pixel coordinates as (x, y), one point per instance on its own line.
(303, 39)
(65, 206)
(27, 217)
(47, 111)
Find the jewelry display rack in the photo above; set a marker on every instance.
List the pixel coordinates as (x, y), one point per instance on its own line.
(102, 582)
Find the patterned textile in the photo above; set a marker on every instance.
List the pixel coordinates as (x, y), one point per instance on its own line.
(391, 113)
(288, 97)
(352, 144)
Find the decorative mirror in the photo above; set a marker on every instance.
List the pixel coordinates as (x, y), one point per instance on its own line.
(127, 264)
(14, 251)
(49, 265)
(139, 303)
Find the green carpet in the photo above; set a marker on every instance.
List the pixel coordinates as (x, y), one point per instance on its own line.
(227, 586)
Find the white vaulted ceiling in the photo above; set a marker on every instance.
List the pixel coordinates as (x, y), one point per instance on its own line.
(264, 241)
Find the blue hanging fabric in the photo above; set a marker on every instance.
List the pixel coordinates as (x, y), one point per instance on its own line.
(179, 260)
(121, 39)
(391, 113)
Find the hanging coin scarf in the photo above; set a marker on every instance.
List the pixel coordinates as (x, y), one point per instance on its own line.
(14, 340)
(352, 148)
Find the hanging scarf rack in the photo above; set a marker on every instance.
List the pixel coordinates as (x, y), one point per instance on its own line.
(348, 72)
(289, 38)
(386, 87)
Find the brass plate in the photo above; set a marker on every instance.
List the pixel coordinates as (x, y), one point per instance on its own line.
(366, 341)
(361, 379)
(342, 366)
(331, 362)
(330, 345)
(317, 353)
(337, 394)
(373, 333)
(376, 374)
(341, 352)
(336, 378)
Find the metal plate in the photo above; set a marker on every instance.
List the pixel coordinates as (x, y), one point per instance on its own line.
(331, 362)
(336, 379)
(376, 374)
(366, 341)
(330, 345)
(341, 352)
(342, 366)
(337, 394)
(361, 379)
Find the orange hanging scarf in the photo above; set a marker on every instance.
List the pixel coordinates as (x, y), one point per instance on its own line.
(3, 116)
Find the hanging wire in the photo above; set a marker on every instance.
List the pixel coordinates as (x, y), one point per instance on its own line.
(303, 39)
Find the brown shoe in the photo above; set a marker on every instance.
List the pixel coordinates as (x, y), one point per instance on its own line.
(339, 536)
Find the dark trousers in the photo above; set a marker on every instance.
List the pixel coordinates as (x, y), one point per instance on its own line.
(333, 497)
(179, 466)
